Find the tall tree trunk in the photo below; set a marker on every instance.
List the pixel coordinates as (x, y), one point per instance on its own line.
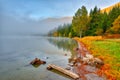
(80, 33)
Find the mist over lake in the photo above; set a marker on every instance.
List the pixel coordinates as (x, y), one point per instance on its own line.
(16, 53)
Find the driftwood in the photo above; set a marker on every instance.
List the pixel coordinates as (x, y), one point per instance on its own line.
(69, 73)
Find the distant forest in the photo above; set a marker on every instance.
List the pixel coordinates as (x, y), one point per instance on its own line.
(90, 24)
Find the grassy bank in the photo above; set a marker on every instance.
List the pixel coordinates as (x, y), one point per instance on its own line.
(109, 51)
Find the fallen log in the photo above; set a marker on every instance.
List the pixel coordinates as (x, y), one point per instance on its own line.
(69, 73)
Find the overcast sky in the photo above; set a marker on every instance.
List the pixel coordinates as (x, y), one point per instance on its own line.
(31, 15)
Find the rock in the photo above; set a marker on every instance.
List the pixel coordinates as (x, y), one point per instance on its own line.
(77, 49)
(65, 54)
(98, 62)
(37, 61)
(71, 65)
(47, 57)
(89, 56)
(90, 60)
(87, 59)
(68, 68)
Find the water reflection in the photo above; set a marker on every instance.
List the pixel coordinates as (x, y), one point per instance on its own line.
(22, 50)
(61, 74)
(36, 65)
(66, 44)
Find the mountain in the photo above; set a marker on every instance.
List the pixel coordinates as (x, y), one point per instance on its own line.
(17, 25)
(110, 8)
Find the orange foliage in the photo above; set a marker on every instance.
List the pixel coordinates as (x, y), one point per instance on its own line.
(107, 69)
(102, 57)
(89, 38)
(103, 70)
(111, 36)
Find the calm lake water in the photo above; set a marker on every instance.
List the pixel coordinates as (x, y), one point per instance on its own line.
(16, 52)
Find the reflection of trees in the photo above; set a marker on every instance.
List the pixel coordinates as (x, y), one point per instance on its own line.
(64, 43)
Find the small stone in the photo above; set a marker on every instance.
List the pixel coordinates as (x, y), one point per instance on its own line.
(71, 65)
(68, 68)
(65, 54)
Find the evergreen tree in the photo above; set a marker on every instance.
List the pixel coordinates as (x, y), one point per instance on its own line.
(112, 15)
(94, 21)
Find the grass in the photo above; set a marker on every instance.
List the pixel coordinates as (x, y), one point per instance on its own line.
(112, 47)
(109, 51)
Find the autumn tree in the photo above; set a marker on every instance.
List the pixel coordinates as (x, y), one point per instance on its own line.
(113, 14)
(116, 26)
(80, 21)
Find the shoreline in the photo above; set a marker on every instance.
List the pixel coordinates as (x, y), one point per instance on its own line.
(85, 71)
(104, 49)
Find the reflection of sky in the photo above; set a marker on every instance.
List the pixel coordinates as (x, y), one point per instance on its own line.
(17, 52)
(32, 15)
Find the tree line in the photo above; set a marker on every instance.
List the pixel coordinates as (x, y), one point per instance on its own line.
(90, 24)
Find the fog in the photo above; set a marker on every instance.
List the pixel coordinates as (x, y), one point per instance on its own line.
(13, 25)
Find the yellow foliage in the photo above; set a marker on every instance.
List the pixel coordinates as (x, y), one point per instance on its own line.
(108, 68)
(55, 34)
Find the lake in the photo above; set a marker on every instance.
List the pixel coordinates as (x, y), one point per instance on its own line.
(16, 52)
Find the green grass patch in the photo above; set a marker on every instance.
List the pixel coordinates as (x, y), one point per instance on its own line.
(109, 48)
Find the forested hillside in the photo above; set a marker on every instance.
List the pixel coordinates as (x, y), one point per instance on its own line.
(108, 9)
(90, 24)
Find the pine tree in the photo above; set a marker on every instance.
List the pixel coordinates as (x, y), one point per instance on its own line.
(94, 21)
